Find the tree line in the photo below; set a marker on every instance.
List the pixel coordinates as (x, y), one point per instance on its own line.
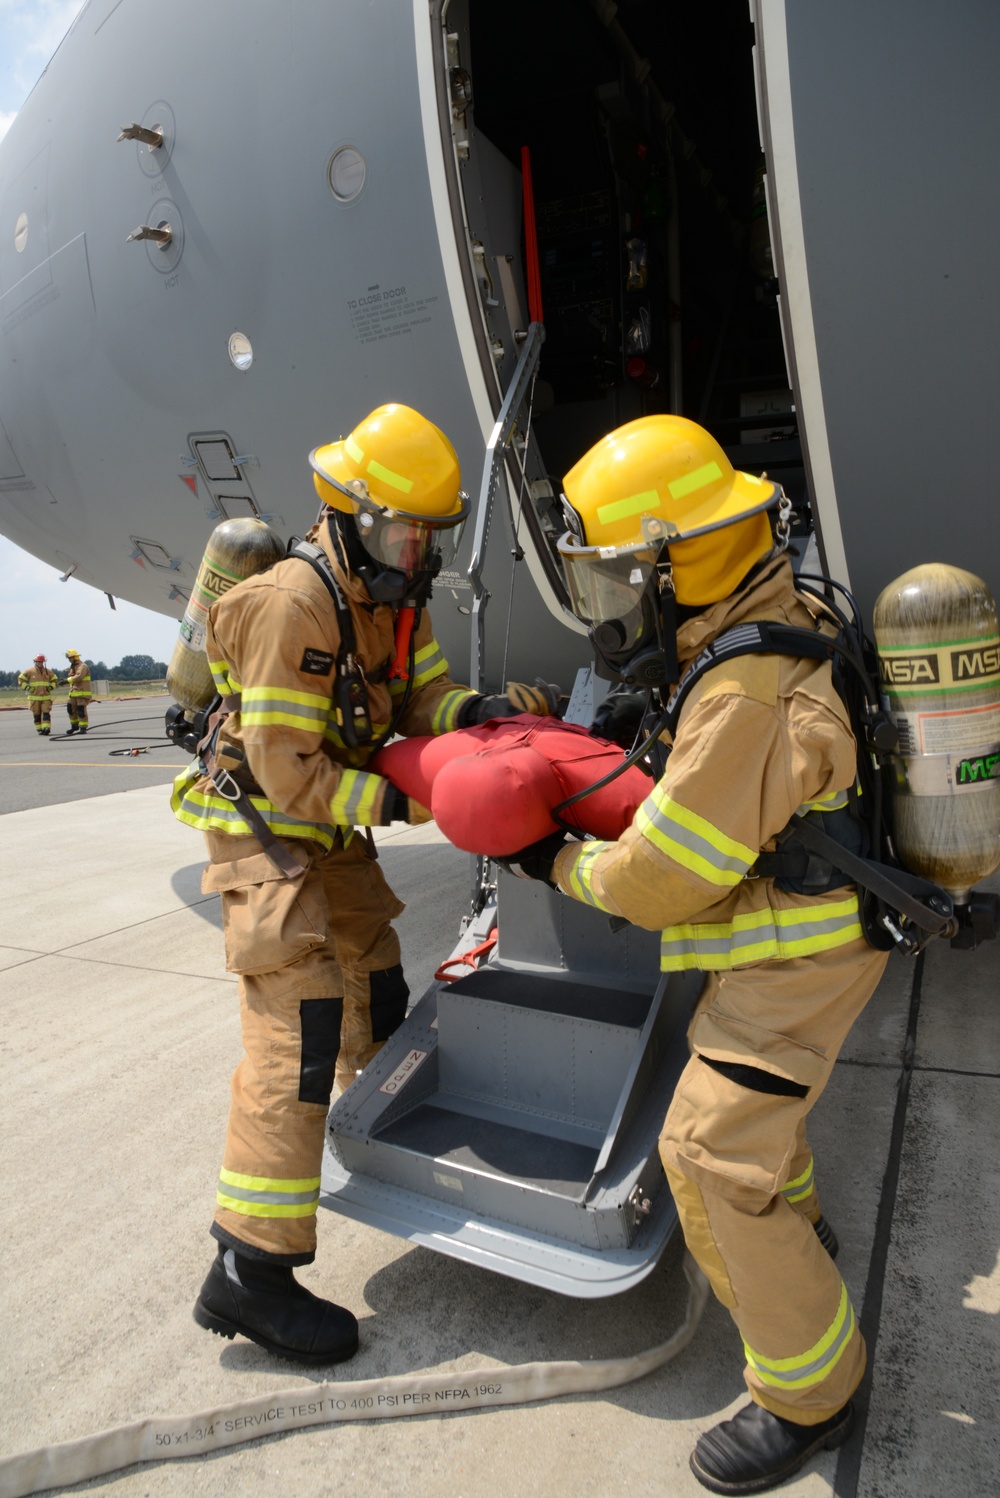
(130, 668)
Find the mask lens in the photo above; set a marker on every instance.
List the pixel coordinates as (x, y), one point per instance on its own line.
(609, 588)
(406, 545)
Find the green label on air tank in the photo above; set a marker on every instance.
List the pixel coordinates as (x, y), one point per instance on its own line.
(977, 768)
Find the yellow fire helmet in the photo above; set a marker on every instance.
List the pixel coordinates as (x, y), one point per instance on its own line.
(399, 476)
(660, 479)
(72, 655)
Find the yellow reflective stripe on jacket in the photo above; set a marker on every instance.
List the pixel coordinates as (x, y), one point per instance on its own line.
(692, 841)
(818, 1362)
(333, 735)
(761, 936)
(260, 1196)
(208, 811)
(355, 797)
(281, 707)
(445, 716)
(835, 802)
(580, 875)
(225, 683)
(428, 663)
(799, 1189)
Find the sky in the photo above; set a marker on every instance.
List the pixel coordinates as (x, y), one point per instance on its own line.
(38, 613)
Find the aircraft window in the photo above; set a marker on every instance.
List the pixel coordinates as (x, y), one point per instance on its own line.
(217, 460)
(240, 350)
(233, 505)
(152, 552)
(21, 232)
(347, 172)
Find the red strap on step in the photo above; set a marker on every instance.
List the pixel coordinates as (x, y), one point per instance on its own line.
(467, 959)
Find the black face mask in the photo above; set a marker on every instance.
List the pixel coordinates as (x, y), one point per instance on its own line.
(650, 658)
(384, 584)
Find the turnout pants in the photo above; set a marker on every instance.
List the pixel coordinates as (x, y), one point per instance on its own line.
(736, 1155)
(321, 990)
(77, 709)
(41, 711)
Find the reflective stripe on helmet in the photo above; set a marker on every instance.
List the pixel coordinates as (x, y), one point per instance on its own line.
(394, 480)
(690, 483)
(816, 1363)
(635, 504)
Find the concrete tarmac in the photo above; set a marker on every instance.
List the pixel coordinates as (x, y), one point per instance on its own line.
(119, 1030)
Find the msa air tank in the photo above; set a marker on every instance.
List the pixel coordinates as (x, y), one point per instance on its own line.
(236, 549)
(939, 661)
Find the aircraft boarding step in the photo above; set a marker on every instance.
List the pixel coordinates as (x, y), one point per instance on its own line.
(513, 1121)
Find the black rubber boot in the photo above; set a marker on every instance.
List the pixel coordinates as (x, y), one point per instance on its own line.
(265, 1302)
(756, 1451)
(824, 1232)
(72, 729)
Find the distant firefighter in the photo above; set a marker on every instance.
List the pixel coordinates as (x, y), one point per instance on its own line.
(78, 681)
(39, 683)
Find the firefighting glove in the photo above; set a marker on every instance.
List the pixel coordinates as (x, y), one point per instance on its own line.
(535, 861)
(399, 807)
(541, 700)
(619, 718)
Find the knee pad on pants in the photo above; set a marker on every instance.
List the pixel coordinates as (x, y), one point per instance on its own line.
(389, 993)
(320, 1021)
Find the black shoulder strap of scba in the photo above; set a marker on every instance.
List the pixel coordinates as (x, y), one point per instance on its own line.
(759, 637)
(927, 908)
(318, 560)
(350, 693)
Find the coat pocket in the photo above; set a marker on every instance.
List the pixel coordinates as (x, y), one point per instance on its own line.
(270, 922)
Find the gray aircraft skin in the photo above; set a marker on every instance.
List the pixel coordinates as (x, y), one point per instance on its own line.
(320, 210)
(333, 196)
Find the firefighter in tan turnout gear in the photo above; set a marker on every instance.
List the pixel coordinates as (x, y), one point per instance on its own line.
(760, 738)
(78, 681)
(318, 660)
(39, 683)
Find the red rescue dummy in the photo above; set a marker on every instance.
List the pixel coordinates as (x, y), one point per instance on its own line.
(491, 789)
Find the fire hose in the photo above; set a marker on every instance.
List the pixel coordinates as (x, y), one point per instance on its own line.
(163, 1438)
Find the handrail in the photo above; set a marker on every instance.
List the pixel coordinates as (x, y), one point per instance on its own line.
(496, 450)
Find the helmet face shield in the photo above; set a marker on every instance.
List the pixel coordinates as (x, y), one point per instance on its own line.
(606, 584)
(404, 542)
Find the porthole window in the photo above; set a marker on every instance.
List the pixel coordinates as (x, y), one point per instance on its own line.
(347, 172)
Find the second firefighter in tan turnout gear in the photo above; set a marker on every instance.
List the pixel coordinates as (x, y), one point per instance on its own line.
(39, 683)
(78, 681)
(318, 661)
(760, 738)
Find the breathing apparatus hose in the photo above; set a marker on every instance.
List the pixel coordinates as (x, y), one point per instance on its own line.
(632, 758)
(163, 1438)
